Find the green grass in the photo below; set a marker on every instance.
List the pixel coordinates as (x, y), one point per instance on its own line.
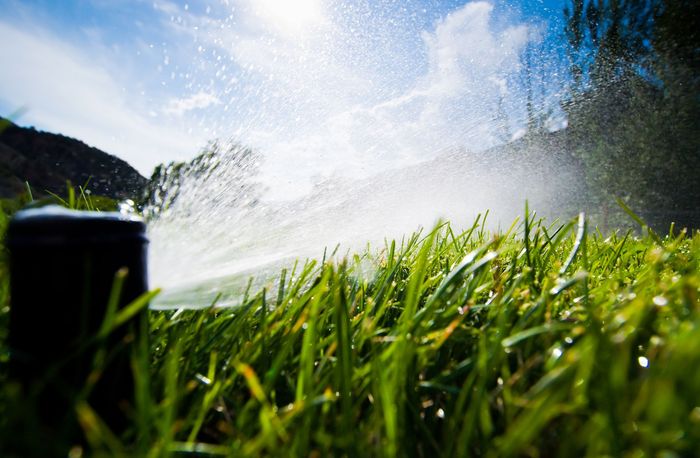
(545, 340)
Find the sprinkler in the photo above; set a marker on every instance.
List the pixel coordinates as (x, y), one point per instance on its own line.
(63, 265)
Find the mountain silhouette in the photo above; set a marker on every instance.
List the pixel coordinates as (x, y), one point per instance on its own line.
(48, 161)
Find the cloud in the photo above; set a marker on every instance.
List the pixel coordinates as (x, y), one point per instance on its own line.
(66, 90)
(329, 96)
(325, 101)
(464, 48)
(200, 100)
(450, 105)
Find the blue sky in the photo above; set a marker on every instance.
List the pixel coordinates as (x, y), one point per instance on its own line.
(336, 85)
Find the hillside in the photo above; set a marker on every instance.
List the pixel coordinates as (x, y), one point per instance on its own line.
(47, 161)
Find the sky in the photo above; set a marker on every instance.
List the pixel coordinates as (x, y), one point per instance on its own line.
(323, 86)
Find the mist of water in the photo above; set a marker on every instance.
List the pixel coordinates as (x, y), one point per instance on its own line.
(343, 124)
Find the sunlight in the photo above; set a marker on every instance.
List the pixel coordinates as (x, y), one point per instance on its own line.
(291, 16)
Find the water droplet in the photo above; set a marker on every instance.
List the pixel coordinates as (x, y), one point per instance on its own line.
(440, 413)
(643, 361)
(660, 301)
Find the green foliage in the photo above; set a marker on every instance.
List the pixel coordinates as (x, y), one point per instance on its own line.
(6, 209)
(231, 167)
(540, 341)
(677, 42)
(634, 105)
(80, 199)
(609, 39)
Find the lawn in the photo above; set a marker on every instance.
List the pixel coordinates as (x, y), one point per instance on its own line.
(547, 339)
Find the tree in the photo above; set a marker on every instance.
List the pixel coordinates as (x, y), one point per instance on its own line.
(609, 40)
(535, 82)
(223, 175)
(677, 42)
(575, 33)
(633, 104)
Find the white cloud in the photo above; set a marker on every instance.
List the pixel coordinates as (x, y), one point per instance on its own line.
(197, 101)
(167, 7)
(307, 89)
(65, 90)
(321, 102)
(464, 49)
(451, 105)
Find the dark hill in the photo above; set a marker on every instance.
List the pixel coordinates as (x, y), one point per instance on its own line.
(47, 161)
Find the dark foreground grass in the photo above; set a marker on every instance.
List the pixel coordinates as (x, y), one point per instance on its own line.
(541, 341)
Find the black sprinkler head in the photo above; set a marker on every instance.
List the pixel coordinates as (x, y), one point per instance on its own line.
(62, 271)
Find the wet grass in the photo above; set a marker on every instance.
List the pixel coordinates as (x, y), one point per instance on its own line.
(544, 340)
